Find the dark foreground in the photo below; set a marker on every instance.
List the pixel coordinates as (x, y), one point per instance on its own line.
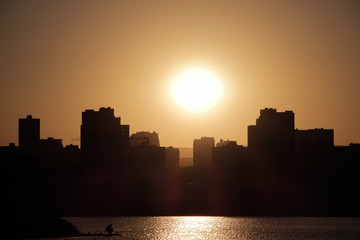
(37, 227)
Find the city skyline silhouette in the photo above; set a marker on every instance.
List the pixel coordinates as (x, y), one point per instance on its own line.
(283, 171)
(142, 136)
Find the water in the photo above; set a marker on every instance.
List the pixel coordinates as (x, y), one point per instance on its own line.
(257, 228)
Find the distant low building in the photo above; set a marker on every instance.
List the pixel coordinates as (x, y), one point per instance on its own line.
(172, 158)
(224, 143)
(186, 162)
(186, 157)
(144, 137)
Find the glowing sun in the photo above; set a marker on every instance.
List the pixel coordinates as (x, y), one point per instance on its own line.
(197, 89)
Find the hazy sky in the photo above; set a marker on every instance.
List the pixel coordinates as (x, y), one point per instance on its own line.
(58, 58)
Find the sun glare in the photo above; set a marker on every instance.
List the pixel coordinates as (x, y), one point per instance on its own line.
(197, 89)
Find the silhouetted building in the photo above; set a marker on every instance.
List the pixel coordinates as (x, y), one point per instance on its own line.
(347, 161)
(172, 157)
(313, 144)
(224, 143)
(51, 145)
(102, 135)
(202, 151)
(271, 140)
(50, 150)
(315, 138)
(72, 153)
(147, 162)
(144, 137)
(9, 148)
(72, 148)
(29, 134)
(10, 151)
(229, 162)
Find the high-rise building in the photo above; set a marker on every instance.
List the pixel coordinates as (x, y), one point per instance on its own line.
(202, 151)
(102, 135)
(29, 134)
(272, 138)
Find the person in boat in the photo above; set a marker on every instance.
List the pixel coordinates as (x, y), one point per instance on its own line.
(109, 229)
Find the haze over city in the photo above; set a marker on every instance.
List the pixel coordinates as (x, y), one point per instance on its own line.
(59, 58)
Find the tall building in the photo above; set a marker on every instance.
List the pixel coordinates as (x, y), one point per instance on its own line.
(272, 138)
(29, 134)
(102, 135)
(202, 151)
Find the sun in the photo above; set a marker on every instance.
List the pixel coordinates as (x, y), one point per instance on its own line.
(197, 89)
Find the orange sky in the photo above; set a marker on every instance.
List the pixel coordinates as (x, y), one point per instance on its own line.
(58, 58)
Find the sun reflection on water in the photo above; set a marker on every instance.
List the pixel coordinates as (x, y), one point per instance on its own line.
(222, 228)
(195, 227)
(189, 228)
(196, 222)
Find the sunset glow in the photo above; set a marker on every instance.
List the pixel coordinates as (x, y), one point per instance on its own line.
(197, 89)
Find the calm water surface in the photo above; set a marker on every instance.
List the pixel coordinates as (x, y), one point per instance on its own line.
(256, 228)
